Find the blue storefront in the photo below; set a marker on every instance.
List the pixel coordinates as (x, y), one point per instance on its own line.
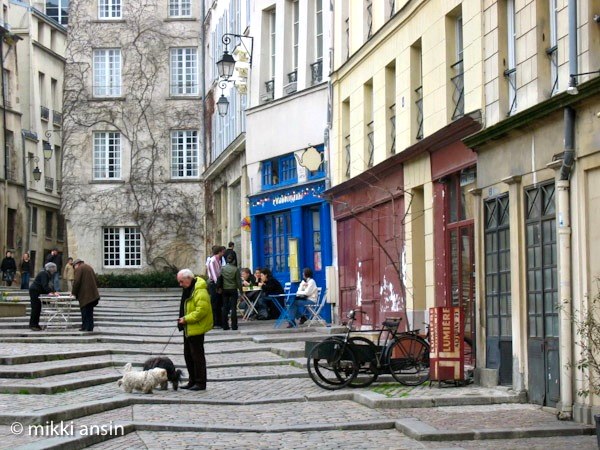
(291, 229)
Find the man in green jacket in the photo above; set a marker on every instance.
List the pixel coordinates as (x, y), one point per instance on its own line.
(195, 319)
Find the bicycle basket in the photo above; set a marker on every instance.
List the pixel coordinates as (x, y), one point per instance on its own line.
(392, 323)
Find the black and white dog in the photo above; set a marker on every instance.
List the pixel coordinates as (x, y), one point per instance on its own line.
(173, 374)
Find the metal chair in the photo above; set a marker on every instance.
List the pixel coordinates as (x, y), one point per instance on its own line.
(315, 309)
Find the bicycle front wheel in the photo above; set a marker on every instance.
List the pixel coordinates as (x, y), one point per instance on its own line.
(408, 360)
(366, 354)
(331, 364)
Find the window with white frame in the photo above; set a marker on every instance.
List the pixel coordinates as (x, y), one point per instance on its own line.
(184, 71)
(107, 155)
(296, 29)
(184, 154)
(122, 247)
(107, 72)
(319, 29)
(272, 42)
(109, 9)
(180, 8)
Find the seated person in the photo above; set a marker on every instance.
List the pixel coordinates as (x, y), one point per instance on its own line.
(305, 295)
(258, 277)
(270, 286)
(248, 279)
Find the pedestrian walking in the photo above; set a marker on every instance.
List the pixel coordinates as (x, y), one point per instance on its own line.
(42, 284)
(9, 268)
(85, 289)
(213, 269)
(195, 319)
(25, 268)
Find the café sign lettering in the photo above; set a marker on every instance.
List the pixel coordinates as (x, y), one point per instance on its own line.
(287, 198)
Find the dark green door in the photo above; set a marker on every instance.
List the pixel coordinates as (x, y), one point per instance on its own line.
(542, 295)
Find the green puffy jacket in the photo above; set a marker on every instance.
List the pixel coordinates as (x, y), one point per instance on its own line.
(198, 312)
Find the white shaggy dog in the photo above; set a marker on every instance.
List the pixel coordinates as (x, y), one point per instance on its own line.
(142, 381)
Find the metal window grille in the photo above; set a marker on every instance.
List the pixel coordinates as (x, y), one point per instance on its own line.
(347, 157)
(511, 78)
(348, 38)
(44, 113)
(458, 96)
(270, 89)
(49, 184)
(419, 105)
(56, 118)
(370, 144)
(392, 8)
(369, 19)
(393, 128)
(316, 70)
(292, 76)
(552, 53)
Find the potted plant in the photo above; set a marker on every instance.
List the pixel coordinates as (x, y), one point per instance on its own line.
(10, 307)
(587, 326)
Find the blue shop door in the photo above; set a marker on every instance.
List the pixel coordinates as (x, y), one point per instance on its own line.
(312, 254)
(277, 230)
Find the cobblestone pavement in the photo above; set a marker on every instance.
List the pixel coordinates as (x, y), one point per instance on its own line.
(258, 395)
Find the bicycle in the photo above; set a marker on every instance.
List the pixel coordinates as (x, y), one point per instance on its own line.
(355, 361)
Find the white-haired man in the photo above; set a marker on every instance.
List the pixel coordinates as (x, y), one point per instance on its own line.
(42, 284)
(195, 319)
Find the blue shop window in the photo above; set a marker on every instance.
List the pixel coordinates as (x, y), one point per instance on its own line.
(279, 171)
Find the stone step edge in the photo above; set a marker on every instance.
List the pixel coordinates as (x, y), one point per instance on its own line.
(79, 441)
(75, 411)
(421, 431)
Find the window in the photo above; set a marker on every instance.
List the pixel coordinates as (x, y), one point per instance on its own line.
(49, 224)
(34, 219)
(319, 29)
(122, 247)
(107, 72)
(276, 231)
(60, 227)
(458, 94)
(296, 28)
(109, 9)
(184, 154)
(272, 42)
(180, 8)
(107, 155)
(552, 52)
(511, 72)
(279, 171)
(184, 71)
(11, 220)
(58, 10)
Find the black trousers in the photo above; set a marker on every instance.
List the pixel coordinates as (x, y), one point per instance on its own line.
(195, 361)
(36, 309)
(216, 302)
(87, 316)
(230, 297)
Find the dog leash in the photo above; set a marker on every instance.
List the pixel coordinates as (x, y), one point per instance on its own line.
(162, 352)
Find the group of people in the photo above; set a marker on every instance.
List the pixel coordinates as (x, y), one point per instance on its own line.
(10, 270)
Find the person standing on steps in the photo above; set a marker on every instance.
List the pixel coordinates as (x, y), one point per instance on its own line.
(56, 258)
(232, 286)
(85, 289)
(9, 268)
(42, 284)
(195, 320)
(213, 269)
(25, 268)
(231, 251)
(69, 274)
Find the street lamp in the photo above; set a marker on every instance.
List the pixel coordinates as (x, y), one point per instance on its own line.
(37, 173)
(47, 145)
(226, 66)
(223, 103)
(572, 88)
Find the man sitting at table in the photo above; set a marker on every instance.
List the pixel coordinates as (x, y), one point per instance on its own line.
(270, 286)
(305, 295)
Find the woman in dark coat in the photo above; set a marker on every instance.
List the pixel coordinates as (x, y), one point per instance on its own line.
(9, 268)
(40, 286)
(25, 269)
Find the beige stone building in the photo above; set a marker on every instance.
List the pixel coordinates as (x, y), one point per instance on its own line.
(33, 62)
(133, 155)
(456, 138)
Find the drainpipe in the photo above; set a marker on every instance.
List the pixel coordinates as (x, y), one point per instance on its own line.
(564, 237)
(26, 195)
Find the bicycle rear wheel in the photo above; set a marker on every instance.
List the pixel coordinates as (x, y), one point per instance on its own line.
(408, 360)
(331, 364)
(366, 353)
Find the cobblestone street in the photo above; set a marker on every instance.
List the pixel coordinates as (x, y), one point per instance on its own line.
(259, 395)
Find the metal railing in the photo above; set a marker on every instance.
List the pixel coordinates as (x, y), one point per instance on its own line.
(56, 118)
(393, 129)
(511, 77)
(369, 19)
(44, 113)
(552, 53)
(347, 156)
(370, 143)
(316, 70)
(419, 105)
(49, 184)
(270, 89)
(292, 76)
(458, 96)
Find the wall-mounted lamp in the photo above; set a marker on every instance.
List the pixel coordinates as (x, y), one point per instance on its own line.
(47, 145)
(37, 173)
(572, 88)
(222, 103)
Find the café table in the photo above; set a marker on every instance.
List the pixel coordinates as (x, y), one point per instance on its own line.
(284, 309)
(250, 296)
(56, 310)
